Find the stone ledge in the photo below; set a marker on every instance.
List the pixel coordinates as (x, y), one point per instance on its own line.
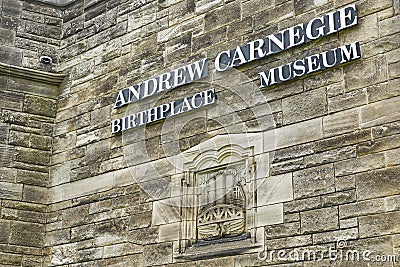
(57, 2)
(32, 75)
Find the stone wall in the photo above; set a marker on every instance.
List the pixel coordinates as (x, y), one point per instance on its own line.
(29, 30)
(28, 106)
(323, 149)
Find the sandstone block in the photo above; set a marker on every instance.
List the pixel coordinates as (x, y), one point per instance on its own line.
(6, 155)
(379, 145)
(35, 194)
(90, 254)
(221, 16)
(10, 191)
(386, 130)
(302, 204)
(168, 232)
(384, 90)
(143, 236)
(361, 208)
(304, 106)
(8, 175)
(379, 224)
(319, 220)
(11, 100)
(330, 156)
(164, 213)
(4, 231)
(26, 234)
(64, 254)
(361, 164)
(348, 234)
(7, 259)
(365, 73)
(314, 181)
(119, 250)
(392, 157)
(389, 26)
(274, 14)
(341, 122)
(294, 134)
(380, 112)
(392, 203)
(209, 39)
(82, 232)
(249, 8)
(284, 230)
(32, 156)
(206, 5)
(347, 100)
(32, 178)
(378, 183)
(140, 220)
(157, 254)
(338, 198)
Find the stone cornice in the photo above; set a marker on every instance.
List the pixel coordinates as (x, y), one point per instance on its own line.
(30, 74)
(57, 2)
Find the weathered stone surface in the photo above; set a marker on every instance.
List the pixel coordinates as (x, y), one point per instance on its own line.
(11, 100)
(379, 145)
(364, 73)
(8, 175)
(314, 181)
(283, 230)
(348, 234)
(302, 205)
(307, 105)
(6, 155)
(362, 208)
(347, 100)
(157, 254)
(64, 254)
(26, 234)
(389, 26)
(4, 231)
(380, 112)
(35, 194)
(10, 191)
(379, 224)
(342, 122)
(384, 90)
(378, 183)
(32, 156)
(143, 236)
(168, 233)
(360, 164)
(392, 157)
(392, 203)
(319, 220)
(121, 250)
(7, 259)
(221, 16)
(338, 198)
(32, 178)
(75, 216)
(293, 134)
(330, 156)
